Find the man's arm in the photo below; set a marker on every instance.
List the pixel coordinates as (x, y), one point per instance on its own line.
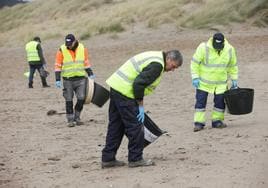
(87, 63)
(40, 53)
(148, 75)
(58, 65)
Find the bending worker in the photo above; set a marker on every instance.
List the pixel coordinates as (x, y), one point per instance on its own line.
(72, 64)
(213, 62)
(36, 61)
(137, 77)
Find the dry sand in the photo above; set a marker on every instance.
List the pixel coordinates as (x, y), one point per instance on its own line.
(37, 150)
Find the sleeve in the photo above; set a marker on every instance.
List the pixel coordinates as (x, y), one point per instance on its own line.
(87, 59)
(148, 75)
(232, 67)
(40, 53)
(58, 65)
(198, 58)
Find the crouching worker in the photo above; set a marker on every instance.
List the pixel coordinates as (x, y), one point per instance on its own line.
(137, 77)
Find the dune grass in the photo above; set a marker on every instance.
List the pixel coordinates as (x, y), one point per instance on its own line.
(86, 18)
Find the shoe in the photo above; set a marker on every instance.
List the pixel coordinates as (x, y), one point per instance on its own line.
(114, 163)
(30, 86)
(141, 162)
(218, 124)
(198, 128)
(44, 86)
(71, 124)
(78, 122)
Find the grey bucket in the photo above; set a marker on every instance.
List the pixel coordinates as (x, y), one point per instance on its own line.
(96, 94)
(151, 131)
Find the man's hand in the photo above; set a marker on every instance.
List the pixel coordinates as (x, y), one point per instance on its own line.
(58, 84)
(234, 84)
(92, 76)
(195, 82)
(140, 116)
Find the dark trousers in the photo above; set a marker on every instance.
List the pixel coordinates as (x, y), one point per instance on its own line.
(123, 120)
(33, 68)
(201, 100)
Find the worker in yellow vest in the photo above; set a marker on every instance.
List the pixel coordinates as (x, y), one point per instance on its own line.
(136, 78)
(73, 65)
(212, 64)
(36, 61)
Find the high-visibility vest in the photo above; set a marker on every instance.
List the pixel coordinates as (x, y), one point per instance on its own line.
(212, 68)
(73, 67)
(31, 50)
(122, 80)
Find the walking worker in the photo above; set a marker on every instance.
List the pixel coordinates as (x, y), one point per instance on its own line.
(213, 62)
(137, 77)
(36, 61)
(73, 65)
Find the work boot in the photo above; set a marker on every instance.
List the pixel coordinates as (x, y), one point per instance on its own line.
(44, 86)
(77, 118)
(30, 85)
(79, 122)
(114, 163)
(141, 162)
(218, 124)
(71, 124)
(198, 128)
(70, 120)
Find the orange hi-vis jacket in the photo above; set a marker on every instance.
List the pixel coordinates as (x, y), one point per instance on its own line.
(60, 58)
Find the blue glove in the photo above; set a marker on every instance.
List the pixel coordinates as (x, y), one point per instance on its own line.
(195, 82)
(234, 84)
(58, 84)
(140, 116)
(92, 76)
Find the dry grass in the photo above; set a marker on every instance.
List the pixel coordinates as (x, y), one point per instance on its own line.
(86, 18)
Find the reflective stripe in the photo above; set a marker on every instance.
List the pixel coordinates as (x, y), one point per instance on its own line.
(218, 109)
(230, 55)
(213, 82)
(136, 64)
(123, 76)
(72, 70)
(200, 109)
(216, 65)
(235, 65)
(194, 60)
(207, 54)
(71, 63)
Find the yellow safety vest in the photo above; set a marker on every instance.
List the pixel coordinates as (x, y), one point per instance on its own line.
(212, 68)
(70, 67)
(31, 50)
(122, 80)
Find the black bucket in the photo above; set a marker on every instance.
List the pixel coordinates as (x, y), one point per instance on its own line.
(151, 131)
(100, 96)
(239, 101)
(96, 94)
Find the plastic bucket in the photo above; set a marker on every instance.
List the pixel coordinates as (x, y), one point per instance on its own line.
(239, 101)
(96, 94)
(151, 131)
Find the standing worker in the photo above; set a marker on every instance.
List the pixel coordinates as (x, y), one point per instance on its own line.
(72, 64)
(36, 60)
(213, 62)
(137, 77)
